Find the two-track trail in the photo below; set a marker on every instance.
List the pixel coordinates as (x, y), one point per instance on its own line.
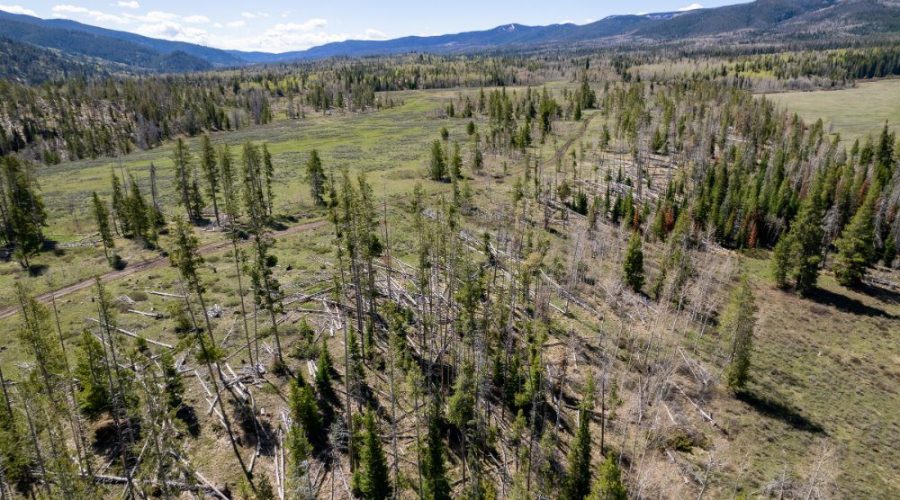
(147, 265)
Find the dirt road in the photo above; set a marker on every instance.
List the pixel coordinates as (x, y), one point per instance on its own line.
(148, 265)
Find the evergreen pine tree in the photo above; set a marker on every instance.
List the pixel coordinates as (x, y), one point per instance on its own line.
(437, 168)
(17, 462)
(608, 485)
(884, 158)
(101, 216)
(210, 166)
(435, 484)
(455, 162)
(119, 207)
(268, 174)
(323, 373)
(91, 372)
(737, 325)
(185, 184)
(477, 157)
(781, 260)
(856, 246)
(374, 480)
(25, 210)
(305, 410)
(299, 482)
(807, 234)
(578, 479)
(173, 384)
(316, 176)
(634, 263)
(139, 216)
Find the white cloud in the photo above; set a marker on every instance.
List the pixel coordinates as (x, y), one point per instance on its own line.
(285, 37)
(312, 24)
(693, 6)
(169, 30)
(17, 9)
(70, 11)
(281, 36)
(196, 20)
(373, 34)
(154, 15)
(254, 15)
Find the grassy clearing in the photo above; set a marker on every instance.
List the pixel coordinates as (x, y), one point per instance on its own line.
(390, 146)
(854, 113)
(824, 387)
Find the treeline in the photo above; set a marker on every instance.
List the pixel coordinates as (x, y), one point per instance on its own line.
(769, 70)
(86, 119)
(91, 117)
(837, 65)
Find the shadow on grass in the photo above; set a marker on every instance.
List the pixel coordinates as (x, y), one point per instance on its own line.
(880, 293)
(846, 304)
(188, 415)
(35, 270)
(779, 411)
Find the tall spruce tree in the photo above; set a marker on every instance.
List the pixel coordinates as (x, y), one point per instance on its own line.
(608, 485)
(185, 183)
(316, 176)
(437, 169)
(305, 411)
(856, 244)
(119, 206)
(884, 158)
(806, 239)
(435, 484)
(797, 254)
(25, 210)
(210, 166)
(578, 479)
(374, 481)
(737, 324)
(633, 265)
(101, 217)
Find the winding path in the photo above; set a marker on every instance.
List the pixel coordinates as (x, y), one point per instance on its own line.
(147, 265)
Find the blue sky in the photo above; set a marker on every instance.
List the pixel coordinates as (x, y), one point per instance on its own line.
(282, 25)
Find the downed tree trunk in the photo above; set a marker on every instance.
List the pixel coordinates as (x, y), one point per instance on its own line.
(134, 335)
(178, 485)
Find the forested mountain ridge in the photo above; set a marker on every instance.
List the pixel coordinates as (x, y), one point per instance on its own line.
(139, 52)
(26, 63)
(777, 19)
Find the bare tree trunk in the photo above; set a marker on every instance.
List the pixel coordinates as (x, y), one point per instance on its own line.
(74, 420)
(237, 268)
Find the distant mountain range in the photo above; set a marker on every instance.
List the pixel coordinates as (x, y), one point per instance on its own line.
(84, 47)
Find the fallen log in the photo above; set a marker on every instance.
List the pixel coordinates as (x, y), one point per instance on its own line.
(134, 335)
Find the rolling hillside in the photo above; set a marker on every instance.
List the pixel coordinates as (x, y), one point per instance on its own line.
(777, 19)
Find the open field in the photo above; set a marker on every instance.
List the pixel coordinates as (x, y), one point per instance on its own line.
(854, 113)
(390, 146)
